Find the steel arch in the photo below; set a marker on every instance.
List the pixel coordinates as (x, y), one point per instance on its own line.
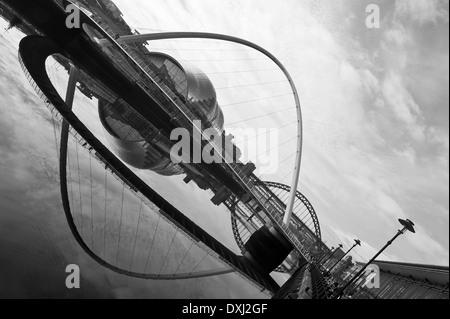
(299, 196)
(305, 201)
(205, 35)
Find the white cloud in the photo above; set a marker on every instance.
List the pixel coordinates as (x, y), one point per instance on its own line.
(398, 35)
(401, 103)
(408, 153)
(423, 11)
(371, 82)
(432, 252)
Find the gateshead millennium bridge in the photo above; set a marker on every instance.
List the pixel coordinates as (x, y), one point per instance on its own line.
(142, 97)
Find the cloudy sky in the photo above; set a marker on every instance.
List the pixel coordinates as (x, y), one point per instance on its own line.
(375, 105)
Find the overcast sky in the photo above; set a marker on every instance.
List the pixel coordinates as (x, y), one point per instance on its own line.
(375, 105)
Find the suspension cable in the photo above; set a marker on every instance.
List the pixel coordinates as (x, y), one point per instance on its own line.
(256, 100)
(136, 234)
(260, 116)
(120, 226)
(153, 241)
(168, 250)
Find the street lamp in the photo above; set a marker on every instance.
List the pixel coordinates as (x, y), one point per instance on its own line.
(331, 254)
(357, 243)
(328, 254)
(407, 225)
(356, 288)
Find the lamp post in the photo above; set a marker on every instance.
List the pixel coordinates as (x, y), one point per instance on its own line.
(325, 256)
(357, 242)
(353, 271)
(329, 255)
(407, 225)
(356, 289)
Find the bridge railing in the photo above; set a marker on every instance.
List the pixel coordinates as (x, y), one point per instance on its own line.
(320, 288)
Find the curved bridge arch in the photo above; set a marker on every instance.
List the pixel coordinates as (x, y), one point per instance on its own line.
(215, 36)
(305, 201)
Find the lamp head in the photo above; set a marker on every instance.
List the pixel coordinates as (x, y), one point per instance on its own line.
(409, 225)
(358, 242)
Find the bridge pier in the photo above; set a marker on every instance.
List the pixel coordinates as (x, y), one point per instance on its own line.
(266, 249)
